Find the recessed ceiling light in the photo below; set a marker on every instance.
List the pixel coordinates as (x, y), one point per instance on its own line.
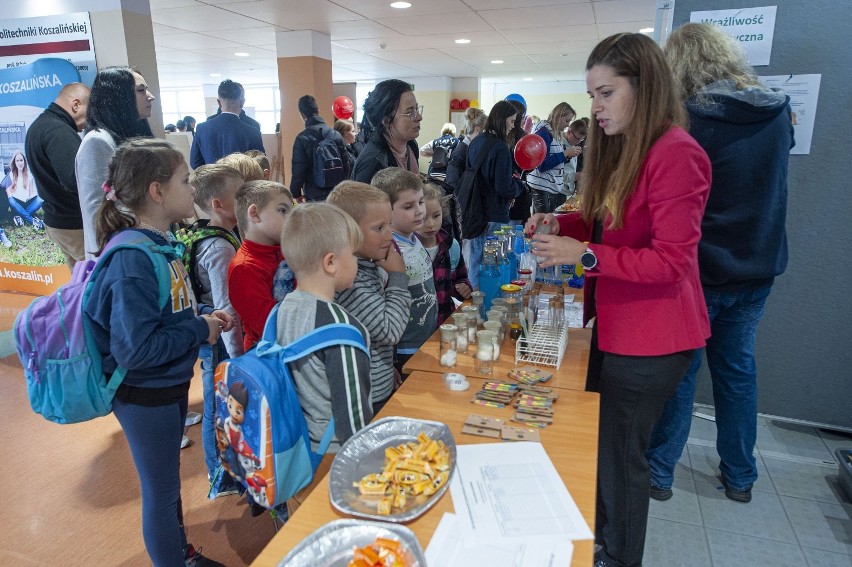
(462, 41)
(646, 30)
(400, 5)
(528, 78)
(497, 61)
(215, 74)
(241, 54)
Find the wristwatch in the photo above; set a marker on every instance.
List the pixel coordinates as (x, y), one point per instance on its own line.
(588, 259)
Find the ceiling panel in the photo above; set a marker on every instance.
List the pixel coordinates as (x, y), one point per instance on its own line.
(518, 18)
(501, 4)
(625, 10)
(202, 18)
(606, 30)
(189, 40)
(377, 9)
(294, 14)
(431, 23)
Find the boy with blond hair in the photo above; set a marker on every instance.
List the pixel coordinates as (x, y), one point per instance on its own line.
(247, 166)
(215, 189)
(405, 190)
(319, 240)
(261, 207)
(260, 158)
(379, 297)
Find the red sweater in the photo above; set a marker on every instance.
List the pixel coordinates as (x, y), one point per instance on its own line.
(646, 285)
(250, 277)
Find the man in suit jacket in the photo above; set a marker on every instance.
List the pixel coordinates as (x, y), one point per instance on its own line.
(225, 134)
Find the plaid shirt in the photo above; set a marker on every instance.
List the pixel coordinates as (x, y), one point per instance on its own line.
(445, 277)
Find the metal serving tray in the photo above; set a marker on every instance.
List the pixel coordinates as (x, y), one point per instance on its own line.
(364, 453)
(332, 544)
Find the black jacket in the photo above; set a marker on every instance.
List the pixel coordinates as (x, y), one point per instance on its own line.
(303, 159)
(375, 157)
(51, 146)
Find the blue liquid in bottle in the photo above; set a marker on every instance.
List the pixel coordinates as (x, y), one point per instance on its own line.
(489, 277)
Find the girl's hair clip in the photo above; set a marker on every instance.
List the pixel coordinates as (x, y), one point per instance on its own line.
(110, 192)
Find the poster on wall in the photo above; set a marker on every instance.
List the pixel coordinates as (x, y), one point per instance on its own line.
(753, 28)
(38, 56)
(803, 91)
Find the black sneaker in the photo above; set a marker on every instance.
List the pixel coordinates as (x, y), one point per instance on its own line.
(193, 558)
(736, 495)
(661, 494)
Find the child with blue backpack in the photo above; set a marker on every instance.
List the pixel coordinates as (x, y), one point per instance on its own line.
(147, 189)
(319, 241)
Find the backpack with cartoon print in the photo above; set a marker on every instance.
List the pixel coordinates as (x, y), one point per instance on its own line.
(261, 431)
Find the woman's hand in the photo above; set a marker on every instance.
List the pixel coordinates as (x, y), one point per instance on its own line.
(557, 250)
(548, 219)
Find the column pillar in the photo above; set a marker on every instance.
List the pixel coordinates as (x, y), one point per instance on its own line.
(304, 67)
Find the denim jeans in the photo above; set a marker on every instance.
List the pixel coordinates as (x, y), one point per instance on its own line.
(734, 317)
(472, 252)
(211, 356)
(26, 210)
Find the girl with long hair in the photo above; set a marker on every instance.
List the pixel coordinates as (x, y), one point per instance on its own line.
(119, 107)
(23, 198)
(646, 183)
(146, 190)
(547, 181)
(495, 188)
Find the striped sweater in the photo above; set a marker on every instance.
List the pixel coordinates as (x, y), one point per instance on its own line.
(333, 382)
(384, 311)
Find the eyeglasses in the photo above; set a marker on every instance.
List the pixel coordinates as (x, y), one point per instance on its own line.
(413, 113)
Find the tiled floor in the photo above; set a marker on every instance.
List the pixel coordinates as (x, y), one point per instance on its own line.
(798, 515)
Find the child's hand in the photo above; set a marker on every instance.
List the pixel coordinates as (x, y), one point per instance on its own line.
(225, 318)
(214, 328)
(463, 290)
(393, 262)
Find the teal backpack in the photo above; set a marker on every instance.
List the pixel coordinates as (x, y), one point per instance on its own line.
(62, 364)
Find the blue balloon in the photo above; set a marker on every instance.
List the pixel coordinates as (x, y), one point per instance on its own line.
(517, 97)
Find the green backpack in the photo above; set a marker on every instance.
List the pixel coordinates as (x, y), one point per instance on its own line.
(191, 237)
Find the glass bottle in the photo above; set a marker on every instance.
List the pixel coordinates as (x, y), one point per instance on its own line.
(503, 264)
(541, 228)
(515, 331)
(448, 345)
(489, 276)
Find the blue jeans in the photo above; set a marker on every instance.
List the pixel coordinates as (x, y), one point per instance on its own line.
(210, 356)
(734, 317)
(26, 210)
(153, 434)
(472, 252)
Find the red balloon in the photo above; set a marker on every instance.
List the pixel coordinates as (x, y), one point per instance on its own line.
(343, 108)
(455, 104)
(465, 104)
(530, 151)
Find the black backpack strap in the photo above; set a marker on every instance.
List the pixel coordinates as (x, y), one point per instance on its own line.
(218, 232)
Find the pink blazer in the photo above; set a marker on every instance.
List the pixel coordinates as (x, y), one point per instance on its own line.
(646, 284)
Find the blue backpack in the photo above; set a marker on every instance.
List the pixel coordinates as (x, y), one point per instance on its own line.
(261, 431)
(62, 364)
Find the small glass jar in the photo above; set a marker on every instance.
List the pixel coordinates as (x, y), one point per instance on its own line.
(478, 299)
(504, 319)
(460, 321)
(515, 331)
(472, 322)
(448, 345)
(540, 229)
(498, 302)
(525, 275)
(494, 327)
(485, 352)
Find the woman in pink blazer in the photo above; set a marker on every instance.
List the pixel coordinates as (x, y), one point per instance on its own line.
(646, 182)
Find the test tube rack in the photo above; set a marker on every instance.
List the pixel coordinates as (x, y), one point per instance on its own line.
(544, 345)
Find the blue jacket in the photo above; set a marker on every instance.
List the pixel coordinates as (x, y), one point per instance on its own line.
(747, 135)
(221, 136)
(500, 187)
(158, 347)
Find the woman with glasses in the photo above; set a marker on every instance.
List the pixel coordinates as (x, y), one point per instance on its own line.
(547, 181)
(391, 125)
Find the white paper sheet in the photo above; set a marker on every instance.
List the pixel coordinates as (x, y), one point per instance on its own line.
(512, 491)
(448, 548)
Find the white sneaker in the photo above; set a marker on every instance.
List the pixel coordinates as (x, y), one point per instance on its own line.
(4, 240)
(192, 417)
(185, 441)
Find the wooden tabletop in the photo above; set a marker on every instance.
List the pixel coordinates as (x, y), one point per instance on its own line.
(570, 375)
(571, 443)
